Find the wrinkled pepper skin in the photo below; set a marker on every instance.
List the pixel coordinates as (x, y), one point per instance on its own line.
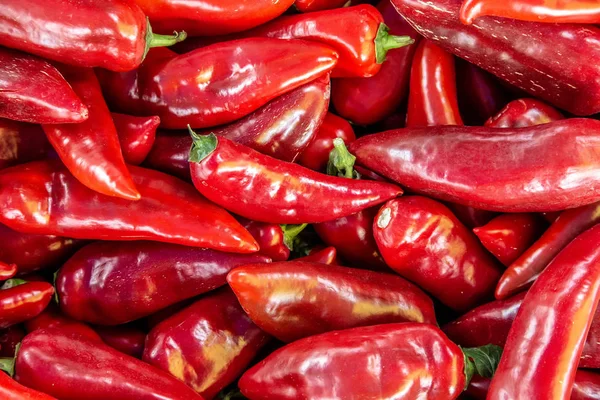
(508, 236)
(53, 318)
(526, 269)
(32, 90)
(327, 256)
(19, 303)
(44, 198)
(366, 101)
(281, 192)
(321, 298)
(413, 360)
(524, 112)
(9, 339)
(568, 290)
(91, 149)
(473, 165)
(270, 239)
(136, 136)
(211, 17)
(524, 54)
(7, 271)
(207, 345)
(11, 390)
(318, 5)
(111, 283)
(71, 367)
(21, 142)
(127, 339)
(424, 242)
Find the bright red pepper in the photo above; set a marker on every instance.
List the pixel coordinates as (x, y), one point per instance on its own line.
(111, 283)
(462, 164)
(542, 351)
(327, 255)
(316, 155)
(366, 101)
(524, 112)
(136, 136)
(423, 241)
(23, 301)
(7, 271)
(44, 198)
(508, 236)
(523, 53)
(21, 142)
(51, 317)
(318, 5)
(207, 345)
(11, 390)
(111, 34)
(9, 339)
(127, 339)
(270, 238)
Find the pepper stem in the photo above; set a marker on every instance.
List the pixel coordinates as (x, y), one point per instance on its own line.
(11, 283)
(385, 42)
(8, 365)
(290, 232)
(341, 162)
(202, 145)
(482, 361)
(54, 278)
(155, 40)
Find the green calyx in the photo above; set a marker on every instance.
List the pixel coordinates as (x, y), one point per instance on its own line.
(385, 42)
(341, 162)
(8, 364)
(11, 283)
(202, 145)
(155, 40)
(290, 232)
(482, 361)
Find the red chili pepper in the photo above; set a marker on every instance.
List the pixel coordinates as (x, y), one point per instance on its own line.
(170, 154)
(318, 5)
(11, 390)
(127, 339)
(211, 17)
(321, 298)
(9, 339)
(7, 271)
(542, 351)
(111, 283)
(460, 164)
(281, 192)
(432, 99)
(508, 236)
(526, 269)
(207, 345)
(51, 317)
(524, 112)
(270, 238)
(424, 242)
(21, 142)
(23, 301)
(43, 198)
(586, 386)
(167, 312)
(471, 217)
(327, 255)
(366, 101)
(136, 136)
(111, 34)
(524, 54)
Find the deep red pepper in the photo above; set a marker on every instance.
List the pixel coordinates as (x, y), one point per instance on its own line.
(523, 53)
(524, 112)
(51, 317)
(11, 390)
(127, 339)
(207, 345)
(316, 155)
(111, 34)
(270, 238)
(111, 283)
(366, 101)
(21, 142)
(508, 236)
(167, 312)
(170, 154)
(136, 136)
(526, 269)
(462, 164)
(318, 5)
(282, 193)
(7, 271)
(44, 198)
(32, 90)
(327, 255)
(542, 351)
(471, 217)
(551, 216)
(9, 339)
(23, 301)
(423, 241)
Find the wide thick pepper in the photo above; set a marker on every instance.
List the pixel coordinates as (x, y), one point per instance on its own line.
(492, 169)
(23, 301)
(51, 317)
(522, 113)
(44, 198)
(110, 283)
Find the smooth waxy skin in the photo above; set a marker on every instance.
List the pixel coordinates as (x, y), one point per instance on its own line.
(318, 5)
(524, 112)
(19, 303)
(136, 136)
(207, 345)
(412, 360)
(492, 169)
(327, 255)
(11, 390)
(112, 283)
(7, 271)
(270, 239)
(127, 339)
(51, 317)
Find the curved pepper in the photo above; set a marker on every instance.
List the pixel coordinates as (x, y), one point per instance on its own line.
(21, 142)
(11, 390)
(282, 193)
(43, 198)
(207, 345)
(327, 256)
(23, 301)
(10, 339)
(136, 136)
(524, 112)
(424, 242)
(51, 317)
(111, 283)
(111, 34)
(32, 90)
(568, 290)
(523, 53)
(492, 169)
(292, 300)
(7, 271)
(318, 5)
(125, 338)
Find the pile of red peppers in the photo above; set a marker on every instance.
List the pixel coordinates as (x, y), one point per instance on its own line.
(300, 199)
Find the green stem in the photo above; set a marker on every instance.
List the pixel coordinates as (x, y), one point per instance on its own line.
(385, 42)
(202, 145)
(341, 162)
(11, 283)
(8, 365)
(482, 361)
(290, 232)
(155, 40)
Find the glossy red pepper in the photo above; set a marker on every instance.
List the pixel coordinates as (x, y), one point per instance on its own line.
(21, 142)
(207, 345)
(9, 339)
(423, 241)
(327, 255)
(461, 164)
(111, 34)
(524, 54)
(44, 198)
(170, 154)
(23, 301)
(321, 298)
(524, 112)
(508, 236)
(32, 90)
(270, 239)
(111, 283)
(72, 367)
(7, 271)
(568, 290)
(127, 339)
(51, 317)
(11, 390)
(318, 5)
(136, 136)
(211, 17)
(167, 312)
(526, 269)
(366, 101)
